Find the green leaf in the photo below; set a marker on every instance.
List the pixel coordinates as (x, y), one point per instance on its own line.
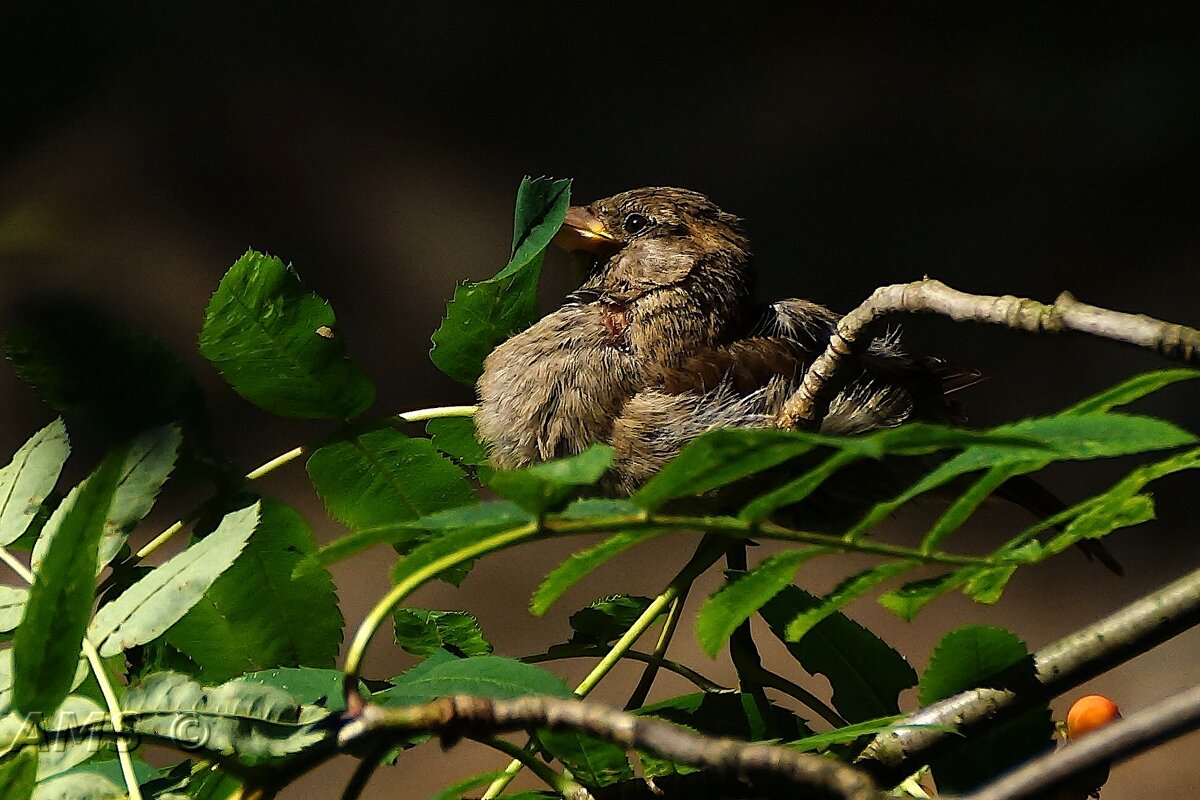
(745, 593)
(581, 564)
(380, 477)
(593, 762)
(907, 601)
(256, 615)
(483, 676)
(1060, 438)
(18, 773)
(866, 674)
(736, 715)
(308, 686)
(1135, 388)
(243, 718)
(423, 633)
(607, 619)
(79, 786)
(12, 607)
(456, 547)
(456, 791)
(29, 477)
(799, 489)
(151, 458)
(148, 462)
(6, 678)
(159, 599)
(970, 500)
(850, 733)
(843, 594)
(455, 436)
(94, 373)
(967, 658)
(75, 749)
(47, 643)
(547, 486)
(482, 315)
(970, 657)
(720, 457)
(276, 343)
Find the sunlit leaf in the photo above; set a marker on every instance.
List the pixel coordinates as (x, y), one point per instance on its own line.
(47, 643)
(547, 486)
(423, 633)
(29, 477)
(745, 593)
(581, 564)
(159, 599)
(277, 345)
(483, 676)
(843, 594)
(481, 315)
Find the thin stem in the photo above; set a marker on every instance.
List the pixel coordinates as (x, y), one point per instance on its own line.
(282, 459)
(106, 687)
(115, 715)
(422, 414)
(384, 608)
(705, 556)
(556, 781)
(642, 690)
(589, 651)
(276, 462)
(15, 565)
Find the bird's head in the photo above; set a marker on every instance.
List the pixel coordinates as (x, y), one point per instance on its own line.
(653, 238)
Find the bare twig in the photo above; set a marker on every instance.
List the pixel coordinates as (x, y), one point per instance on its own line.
(1122, 739)
(769, 769)
(1061, 666)
(809, 404)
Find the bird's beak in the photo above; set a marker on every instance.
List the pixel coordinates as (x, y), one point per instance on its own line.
(582, 230)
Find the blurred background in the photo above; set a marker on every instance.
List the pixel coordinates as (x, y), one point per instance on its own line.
(1002, 148)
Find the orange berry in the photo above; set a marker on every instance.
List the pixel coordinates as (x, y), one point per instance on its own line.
(1089, 713)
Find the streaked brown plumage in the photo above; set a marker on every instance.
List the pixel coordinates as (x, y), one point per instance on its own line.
(662, 343)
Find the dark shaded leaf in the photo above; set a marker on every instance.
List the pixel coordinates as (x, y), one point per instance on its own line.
(276, 343)
(607, 619)
(455, 436)
(970, 657)
(736, 715)
(843, 594)
(866, 674)
(117, 383)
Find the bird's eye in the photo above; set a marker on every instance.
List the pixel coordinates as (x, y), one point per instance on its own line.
(635, 222)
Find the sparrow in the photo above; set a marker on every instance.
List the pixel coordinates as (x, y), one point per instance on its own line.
(663, 342)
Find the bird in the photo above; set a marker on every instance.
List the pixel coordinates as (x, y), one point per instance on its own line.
(664, 341)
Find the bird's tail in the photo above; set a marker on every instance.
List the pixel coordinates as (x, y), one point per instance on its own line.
(1037, 499)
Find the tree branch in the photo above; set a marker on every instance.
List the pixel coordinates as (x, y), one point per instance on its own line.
(1120, 740)
(770, 769)
(808, 404)
(1078, 657)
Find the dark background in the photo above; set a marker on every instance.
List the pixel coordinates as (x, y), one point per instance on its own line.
(1002, 148)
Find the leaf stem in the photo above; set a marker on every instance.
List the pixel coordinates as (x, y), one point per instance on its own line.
(642, 690)
(588, 651)
(102, 680)
(384, 608)
(560, 783)
(705, 556)
(283, 459)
